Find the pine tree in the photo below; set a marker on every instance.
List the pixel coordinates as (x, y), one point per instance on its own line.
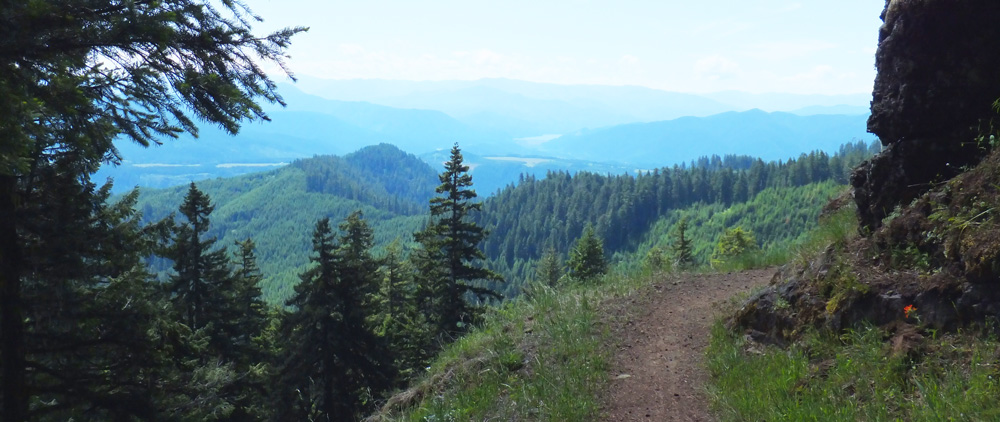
(252, 352)
(549, 269)
(682, 249)
(248, 302)
(75, 76)
(402, 324)
(451, 243)
(586, 259)
(203, 285)
(335, 365)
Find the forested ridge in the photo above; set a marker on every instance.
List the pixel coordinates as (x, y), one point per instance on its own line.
(524, 219)
(539, 214)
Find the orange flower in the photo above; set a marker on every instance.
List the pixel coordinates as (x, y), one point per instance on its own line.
(908, 309)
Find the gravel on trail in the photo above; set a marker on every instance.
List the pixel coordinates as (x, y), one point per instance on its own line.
(658, 372)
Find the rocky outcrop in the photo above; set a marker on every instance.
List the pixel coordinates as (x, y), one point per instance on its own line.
(938, 75)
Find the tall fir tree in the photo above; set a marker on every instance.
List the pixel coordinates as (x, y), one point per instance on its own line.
(334, 365)
(249, 303)
(402, 324)
(75, 76)
(253, 352)
(586, 259)
(203, 285)
(682, 248)
(451, 242)
(548, 271)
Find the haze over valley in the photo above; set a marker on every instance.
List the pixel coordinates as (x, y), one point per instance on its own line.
(506, 128)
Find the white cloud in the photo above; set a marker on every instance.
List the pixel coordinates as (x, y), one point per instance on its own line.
(787, 50)
(629, 60)
(351, 49)
(817, 73)
(716, 67)
(788, 8)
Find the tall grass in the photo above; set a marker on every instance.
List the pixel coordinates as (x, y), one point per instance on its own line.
(543, 357)
(853, 376)
(856, 376)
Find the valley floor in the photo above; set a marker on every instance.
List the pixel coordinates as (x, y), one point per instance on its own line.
(658, 373)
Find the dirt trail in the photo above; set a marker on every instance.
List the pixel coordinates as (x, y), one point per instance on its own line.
(658, 373)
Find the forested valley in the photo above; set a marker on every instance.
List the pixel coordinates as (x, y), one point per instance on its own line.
(630, 213)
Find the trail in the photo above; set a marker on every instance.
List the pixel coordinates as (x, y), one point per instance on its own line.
(658, 373)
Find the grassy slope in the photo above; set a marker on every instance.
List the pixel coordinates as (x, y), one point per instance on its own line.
(543, 357)
(902, 371)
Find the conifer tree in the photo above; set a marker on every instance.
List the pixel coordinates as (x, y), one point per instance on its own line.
(682, 249)
(203, 285)
(76, 75)
(335, 365)
(549, 268)
(451, 243)
(404, 327)
(248, 301)
(253, 354)
(586, 259)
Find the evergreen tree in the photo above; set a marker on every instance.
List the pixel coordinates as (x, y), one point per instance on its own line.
(451, 242)
(402, 324)
(76, 75)
(549, 269)
(683, 254)
(248, 301)
(203, 285)
(335, 365)
(586, 259)
(253, 352)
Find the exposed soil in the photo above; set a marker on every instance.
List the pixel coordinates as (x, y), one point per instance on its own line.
(658, 373)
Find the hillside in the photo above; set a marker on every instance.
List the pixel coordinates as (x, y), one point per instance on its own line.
(392, 189)
(278, 208)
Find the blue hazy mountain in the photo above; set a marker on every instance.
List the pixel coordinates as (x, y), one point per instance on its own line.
(511, 121)
(770, 136)
(540, 108)
(834, 109)
(742, 101)
(493, 172)
(308, 126)
(527, 107)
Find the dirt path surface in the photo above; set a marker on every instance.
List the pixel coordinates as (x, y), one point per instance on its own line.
(658, 373)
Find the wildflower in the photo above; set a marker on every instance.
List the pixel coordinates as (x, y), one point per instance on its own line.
(908, 309)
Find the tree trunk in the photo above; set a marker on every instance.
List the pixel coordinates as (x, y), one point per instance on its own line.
(14, 388)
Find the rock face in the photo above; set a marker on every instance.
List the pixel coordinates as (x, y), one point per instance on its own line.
(938, 75)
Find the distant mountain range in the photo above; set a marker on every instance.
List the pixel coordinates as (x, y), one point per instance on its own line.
(530, 108)
(770, 136)
(505, 127)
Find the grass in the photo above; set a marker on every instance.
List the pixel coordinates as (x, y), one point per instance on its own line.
(541, 358)
(855, 376)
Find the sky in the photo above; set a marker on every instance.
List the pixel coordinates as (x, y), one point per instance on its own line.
(758, 46)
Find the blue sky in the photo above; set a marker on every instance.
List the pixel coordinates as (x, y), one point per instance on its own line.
(807, 47)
